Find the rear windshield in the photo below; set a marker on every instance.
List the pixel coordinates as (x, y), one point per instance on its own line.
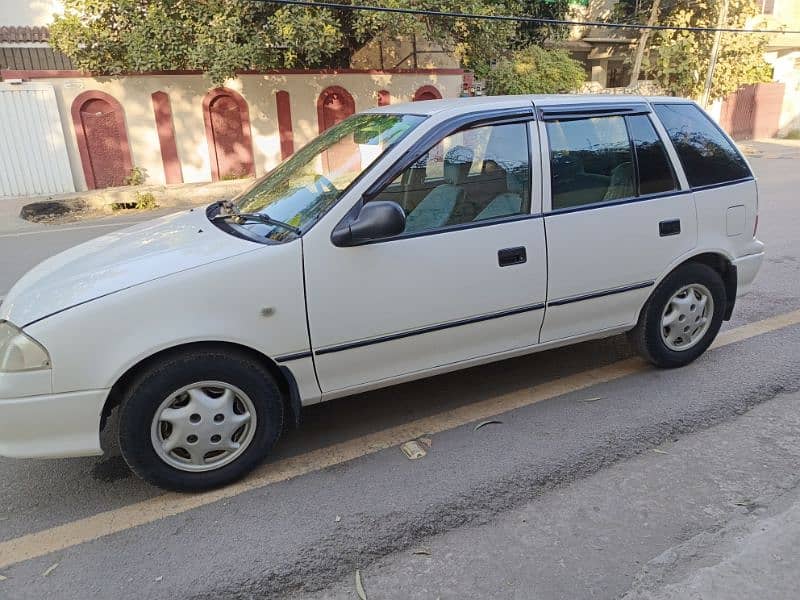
(708, 158)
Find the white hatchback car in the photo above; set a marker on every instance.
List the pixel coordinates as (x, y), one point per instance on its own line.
(404, 242)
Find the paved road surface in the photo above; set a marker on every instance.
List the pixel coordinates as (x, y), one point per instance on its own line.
(648, 484)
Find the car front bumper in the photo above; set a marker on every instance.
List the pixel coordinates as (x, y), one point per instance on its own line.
(52, 425)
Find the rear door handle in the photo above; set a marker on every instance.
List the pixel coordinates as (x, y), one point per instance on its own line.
(512, 256)
(671, 227)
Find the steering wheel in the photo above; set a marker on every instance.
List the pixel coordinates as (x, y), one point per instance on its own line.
(321, 182)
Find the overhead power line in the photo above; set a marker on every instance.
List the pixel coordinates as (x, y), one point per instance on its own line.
(518, 18)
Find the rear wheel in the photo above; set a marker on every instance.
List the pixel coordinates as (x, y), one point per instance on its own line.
(200, 420)
(682, 317)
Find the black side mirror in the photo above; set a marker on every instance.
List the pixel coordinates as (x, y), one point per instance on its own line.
(377, 220)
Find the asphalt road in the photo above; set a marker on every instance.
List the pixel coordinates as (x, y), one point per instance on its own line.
(605, 478)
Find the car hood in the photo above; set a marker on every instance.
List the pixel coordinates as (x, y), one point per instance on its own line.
(117, 261)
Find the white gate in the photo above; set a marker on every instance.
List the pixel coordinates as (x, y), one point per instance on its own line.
(33, 154)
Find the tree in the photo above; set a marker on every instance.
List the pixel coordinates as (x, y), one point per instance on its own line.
(534, 70)
(221, 37)
(536, 33)
(644, 37)
(679, 60)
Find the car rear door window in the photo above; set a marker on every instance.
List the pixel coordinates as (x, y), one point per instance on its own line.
(655, 171)
(708, 158)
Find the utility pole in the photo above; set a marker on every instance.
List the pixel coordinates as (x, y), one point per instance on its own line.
(643, 38)
(723, 18)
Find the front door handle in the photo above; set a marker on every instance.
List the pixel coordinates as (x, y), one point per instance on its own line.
(671, 227)
(512, 256)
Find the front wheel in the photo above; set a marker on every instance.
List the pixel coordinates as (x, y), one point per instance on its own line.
(200, 420)
(682, 317)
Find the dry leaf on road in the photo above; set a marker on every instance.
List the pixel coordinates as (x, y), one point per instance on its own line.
(360, 586)
(489, 422)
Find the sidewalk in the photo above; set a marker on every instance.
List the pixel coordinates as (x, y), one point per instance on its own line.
(10, 220)
(770, 148)
(750, 558)
(99, 204)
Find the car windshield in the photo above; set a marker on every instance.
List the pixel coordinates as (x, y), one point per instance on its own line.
(302, 188)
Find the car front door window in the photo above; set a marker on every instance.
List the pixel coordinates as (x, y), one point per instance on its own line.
(470, 176)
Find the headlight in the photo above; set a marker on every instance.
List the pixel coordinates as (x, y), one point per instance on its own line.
(18, 352)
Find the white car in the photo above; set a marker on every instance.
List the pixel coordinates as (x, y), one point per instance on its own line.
(404, 242)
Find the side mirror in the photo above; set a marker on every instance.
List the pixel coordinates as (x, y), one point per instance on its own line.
(377, 220)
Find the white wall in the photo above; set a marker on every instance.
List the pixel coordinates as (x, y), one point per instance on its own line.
(785, 65)
(186, 93)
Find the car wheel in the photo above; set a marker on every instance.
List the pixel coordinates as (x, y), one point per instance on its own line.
(682, 316)
(200, 420)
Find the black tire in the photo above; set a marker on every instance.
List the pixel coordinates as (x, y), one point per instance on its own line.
(646, 337)
(160, 380)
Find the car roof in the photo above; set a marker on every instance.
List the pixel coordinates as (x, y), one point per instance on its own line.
(479, 103)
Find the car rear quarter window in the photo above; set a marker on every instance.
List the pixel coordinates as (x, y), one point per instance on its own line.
(655, 171)
(708, 158)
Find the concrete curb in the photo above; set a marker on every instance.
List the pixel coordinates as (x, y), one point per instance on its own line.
(94, 203)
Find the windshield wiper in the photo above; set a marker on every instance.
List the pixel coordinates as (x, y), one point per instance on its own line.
(240, 218)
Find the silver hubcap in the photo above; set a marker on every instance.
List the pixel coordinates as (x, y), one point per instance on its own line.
(687, 317)
(203, 426)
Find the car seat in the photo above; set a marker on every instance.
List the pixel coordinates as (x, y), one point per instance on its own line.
(436, 208)
(507, 203)
(573, 186)
(621, 185)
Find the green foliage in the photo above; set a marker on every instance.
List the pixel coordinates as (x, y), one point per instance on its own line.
(141, 201)
(137, 176)
(534, 70)
(679, 60)
(145, 201)
(637, 11)
(221, 37)
(534, 33)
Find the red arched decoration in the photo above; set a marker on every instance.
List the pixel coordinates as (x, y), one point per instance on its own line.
(99, 123)
(162, 111)
(384, 98)
(285, 129)
(427, 92)
(230, 146)
(334, 105)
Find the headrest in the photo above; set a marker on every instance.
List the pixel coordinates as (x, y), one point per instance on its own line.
(622, 174)
(457, 163)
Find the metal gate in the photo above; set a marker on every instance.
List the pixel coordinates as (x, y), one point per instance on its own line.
(33, 153)
(753, 112)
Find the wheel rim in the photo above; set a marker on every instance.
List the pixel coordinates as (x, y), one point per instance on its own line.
(203, 426)
(687, 317)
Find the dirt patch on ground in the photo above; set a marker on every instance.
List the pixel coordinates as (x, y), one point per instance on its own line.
(94, 204)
